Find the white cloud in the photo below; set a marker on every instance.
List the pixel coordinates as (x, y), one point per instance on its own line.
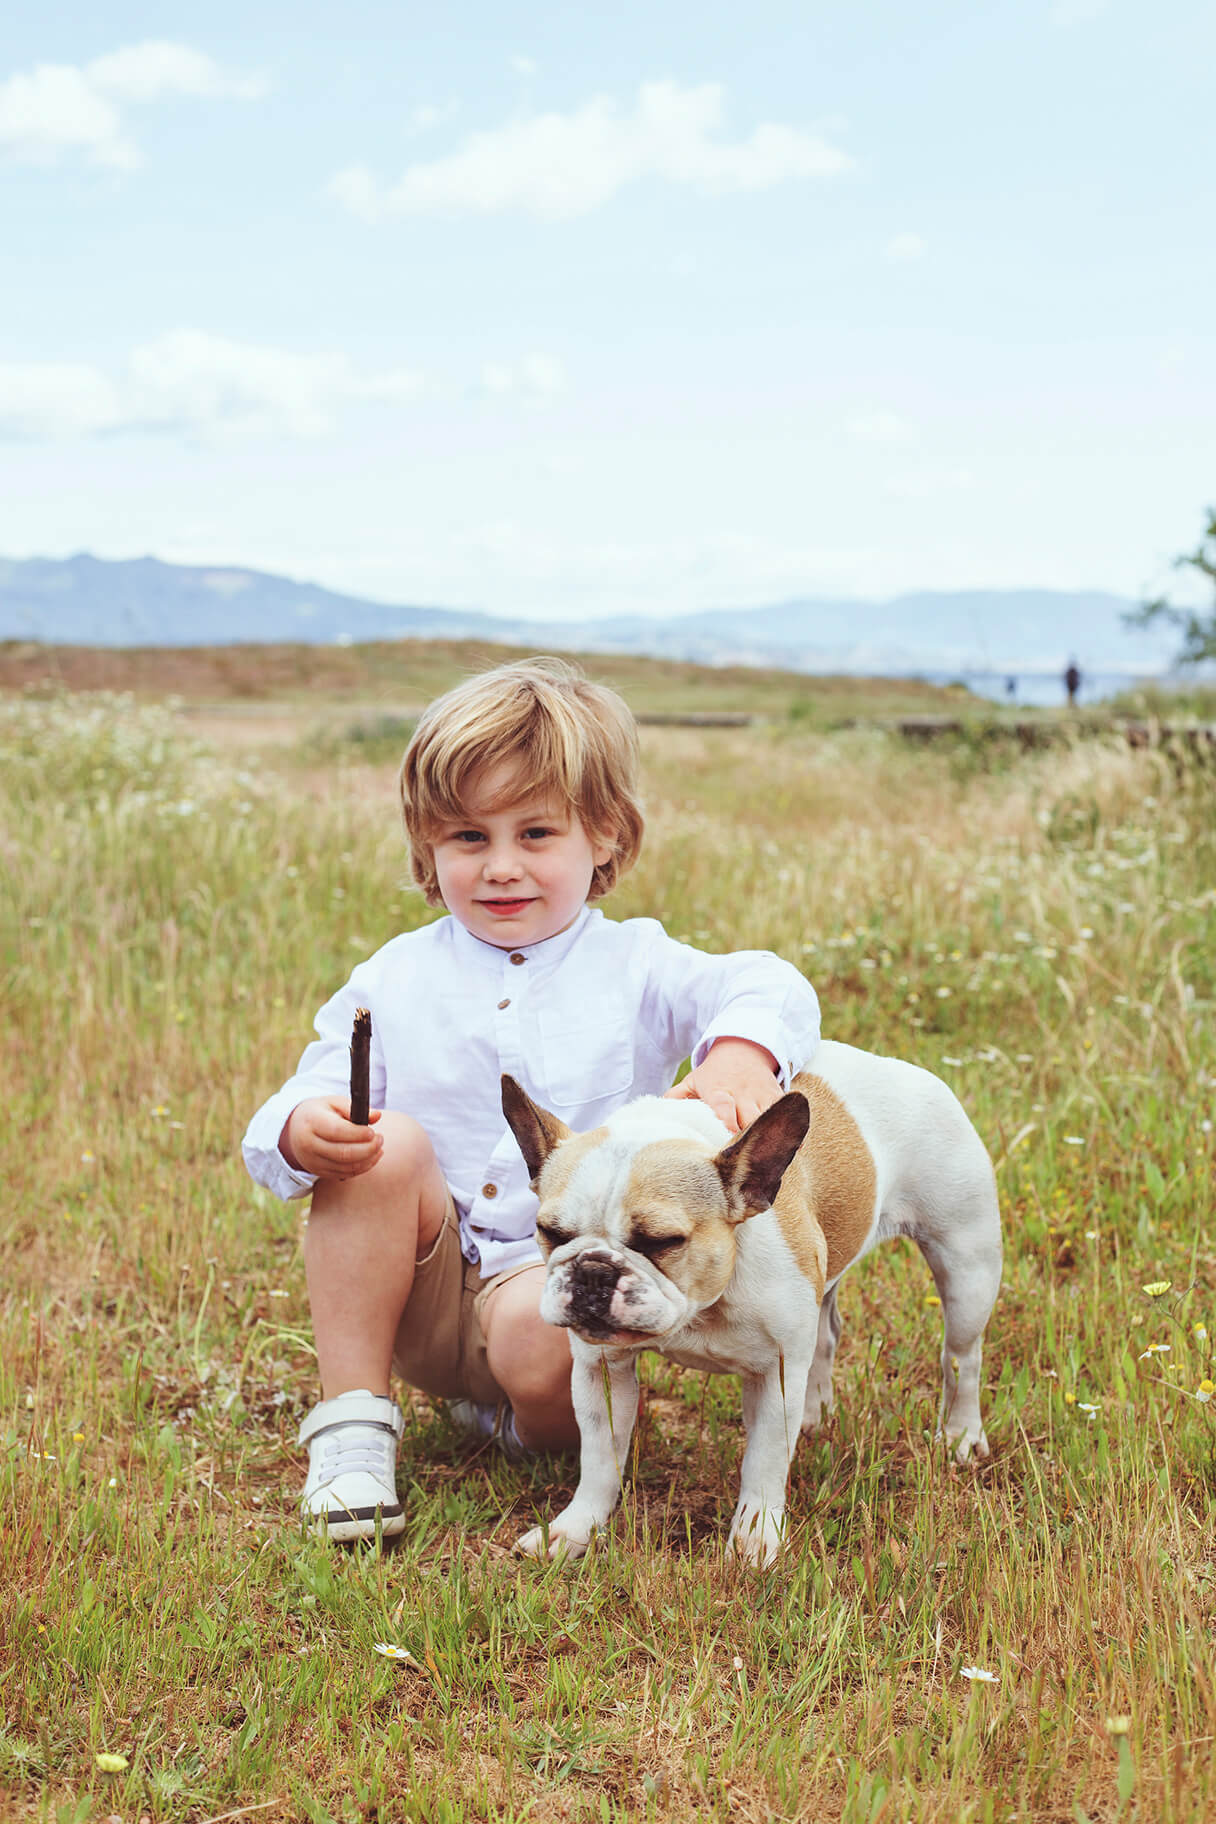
(535, 376)
(880, 427)
(523, 66)
(562, 165)
(190, 381)
(906, 247)
(57, 109)
(930, 484)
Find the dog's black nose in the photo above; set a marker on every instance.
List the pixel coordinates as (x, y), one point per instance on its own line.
(592, 1284)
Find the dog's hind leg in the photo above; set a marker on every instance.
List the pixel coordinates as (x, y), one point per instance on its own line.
(965, 1262)
(819, 1401)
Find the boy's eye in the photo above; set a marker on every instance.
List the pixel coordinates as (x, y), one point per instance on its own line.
(468, 836)
(538, 833)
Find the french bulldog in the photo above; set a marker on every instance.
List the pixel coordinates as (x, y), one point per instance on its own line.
(661, 1231)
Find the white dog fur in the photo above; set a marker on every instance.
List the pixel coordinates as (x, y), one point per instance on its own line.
(661, 1232)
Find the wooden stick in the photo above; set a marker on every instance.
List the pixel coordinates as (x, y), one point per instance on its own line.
(360, 1067)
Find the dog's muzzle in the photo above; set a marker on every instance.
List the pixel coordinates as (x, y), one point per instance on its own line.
(594, 1278)
(598, 1292)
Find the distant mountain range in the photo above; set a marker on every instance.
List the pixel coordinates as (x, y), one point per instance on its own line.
(967, 633)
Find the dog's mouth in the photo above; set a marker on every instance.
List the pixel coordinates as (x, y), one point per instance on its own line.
(605, 1336)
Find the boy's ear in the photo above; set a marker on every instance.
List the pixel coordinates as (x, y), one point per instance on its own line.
(751, 1168)
(536, 1130)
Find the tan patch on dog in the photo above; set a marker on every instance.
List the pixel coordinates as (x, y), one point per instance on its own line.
(829, 1187)
(563, 1161)
(673, 1188)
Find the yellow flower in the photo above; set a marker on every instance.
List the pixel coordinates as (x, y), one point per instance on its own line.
(1157, 1288)
(1118, 1725)
(1200, 1330)
(1070, 1399)
(1205, 1390)
(112, 1763)
(931, 1298)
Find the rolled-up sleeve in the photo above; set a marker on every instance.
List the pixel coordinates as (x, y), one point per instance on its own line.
(323, 1070)
(750, 994)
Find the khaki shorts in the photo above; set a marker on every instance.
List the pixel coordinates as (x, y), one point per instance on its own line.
(441, 1345)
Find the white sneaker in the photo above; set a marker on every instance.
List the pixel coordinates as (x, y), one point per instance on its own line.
(352, 1466)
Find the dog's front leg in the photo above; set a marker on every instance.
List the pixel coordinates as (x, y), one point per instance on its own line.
(605, 1393)
(772, 1412)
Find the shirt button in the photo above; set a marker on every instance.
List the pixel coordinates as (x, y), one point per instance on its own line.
(515, 957)
(503, 1004)
(489, 1190)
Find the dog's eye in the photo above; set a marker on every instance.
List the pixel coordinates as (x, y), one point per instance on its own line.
(552, 1237)
(653, 1246)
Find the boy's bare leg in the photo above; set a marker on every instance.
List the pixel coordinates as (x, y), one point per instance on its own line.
(364, 1235)
(531, 1362)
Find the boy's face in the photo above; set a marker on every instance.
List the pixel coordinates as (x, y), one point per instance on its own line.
(518, 873)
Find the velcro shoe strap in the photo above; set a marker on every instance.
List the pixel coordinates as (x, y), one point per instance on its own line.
(353, 1409)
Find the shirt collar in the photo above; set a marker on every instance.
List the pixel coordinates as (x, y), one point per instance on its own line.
(473, 950)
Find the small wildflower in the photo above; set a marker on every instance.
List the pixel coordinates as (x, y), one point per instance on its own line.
(1204, 1391)
(1091, 1234)
(1154, 1349)
(1157, 1288)
(1074, 1139)
(977, 1675)
(1070, 1399)
(1118, 1725)
(931, 1298)
(78, 1437)
(112, 1763)
(86, 1158)
(1087, 1407)
(391, 1652)
(1137, 1321)
(1051, 1374)
(1200, 1331)
(113, 1483)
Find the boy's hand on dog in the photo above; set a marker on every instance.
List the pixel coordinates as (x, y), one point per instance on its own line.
(320, 1137)
(738, 1080)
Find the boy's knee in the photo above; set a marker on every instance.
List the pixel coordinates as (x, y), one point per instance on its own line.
(408, 1153)
(528, 1358)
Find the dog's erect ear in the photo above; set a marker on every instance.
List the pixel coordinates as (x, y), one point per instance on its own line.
(751, 1168)
(536, 1130)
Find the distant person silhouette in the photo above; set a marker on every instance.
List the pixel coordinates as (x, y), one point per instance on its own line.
(1011, 687)
(1072, 682)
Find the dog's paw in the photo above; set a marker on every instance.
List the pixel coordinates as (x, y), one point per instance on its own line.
(560, 1539)
(757, 1535)
(968, 1444)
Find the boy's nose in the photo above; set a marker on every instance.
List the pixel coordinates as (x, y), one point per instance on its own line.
(502, 863)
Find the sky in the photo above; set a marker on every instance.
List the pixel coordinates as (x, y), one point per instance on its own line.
(626, 309)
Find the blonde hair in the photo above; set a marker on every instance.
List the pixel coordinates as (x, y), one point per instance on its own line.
(562, 735)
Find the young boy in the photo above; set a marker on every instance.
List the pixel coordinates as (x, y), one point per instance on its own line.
(519, 796)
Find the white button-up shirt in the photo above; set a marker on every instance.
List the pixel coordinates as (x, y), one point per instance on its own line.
(585, 1021)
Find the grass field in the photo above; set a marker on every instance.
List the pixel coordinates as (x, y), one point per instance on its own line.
(1039, 927)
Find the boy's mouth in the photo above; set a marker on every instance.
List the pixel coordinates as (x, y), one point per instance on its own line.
(504, 907)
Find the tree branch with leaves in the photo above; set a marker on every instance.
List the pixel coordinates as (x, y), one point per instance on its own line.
(1196, 625)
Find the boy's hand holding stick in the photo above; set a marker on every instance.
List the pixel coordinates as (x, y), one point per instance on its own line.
(361, 1067)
